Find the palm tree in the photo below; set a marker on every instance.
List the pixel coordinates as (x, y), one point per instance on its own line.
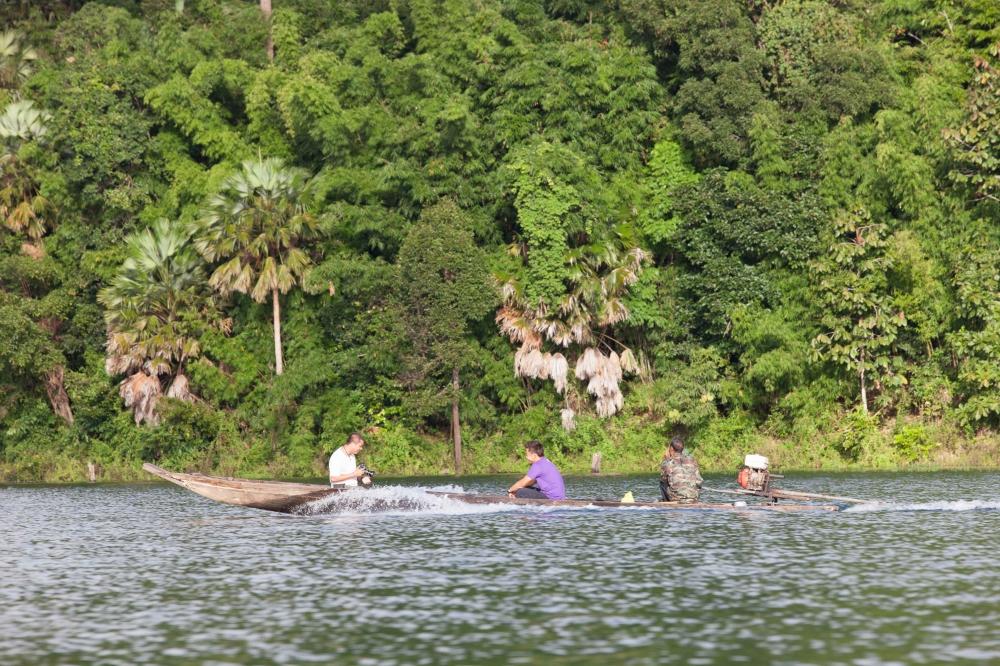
(22, 208)
(599, 275)
(155, 309)
(254, 225)
(21, 122)
(16, 59)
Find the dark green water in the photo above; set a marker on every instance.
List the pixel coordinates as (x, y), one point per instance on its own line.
(140, 574)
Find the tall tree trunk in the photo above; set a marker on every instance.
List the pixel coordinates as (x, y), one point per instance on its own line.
(265, 9)
(279, 365)
(57, 394)
(456, 427)
(864, 392)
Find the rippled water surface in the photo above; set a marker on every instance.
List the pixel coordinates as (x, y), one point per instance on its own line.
(151, 573)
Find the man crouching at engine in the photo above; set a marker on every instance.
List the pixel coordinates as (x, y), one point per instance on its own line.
(680, 479)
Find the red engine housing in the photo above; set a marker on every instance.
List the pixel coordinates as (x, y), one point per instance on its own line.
(756, 480)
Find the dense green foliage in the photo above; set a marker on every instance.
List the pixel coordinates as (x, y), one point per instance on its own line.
(762, 225)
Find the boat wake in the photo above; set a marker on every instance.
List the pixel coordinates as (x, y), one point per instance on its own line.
(399, 499)
(957, 505)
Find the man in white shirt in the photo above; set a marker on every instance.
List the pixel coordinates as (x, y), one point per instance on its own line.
(344, 470)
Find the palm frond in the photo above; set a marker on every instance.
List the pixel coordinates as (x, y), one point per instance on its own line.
(16, 59)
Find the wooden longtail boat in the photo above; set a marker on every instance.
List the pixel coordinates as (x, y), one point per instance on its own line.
(285, 497)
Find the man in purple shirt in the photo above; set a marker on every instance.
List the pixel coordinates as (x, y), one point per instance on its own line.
(543, 480)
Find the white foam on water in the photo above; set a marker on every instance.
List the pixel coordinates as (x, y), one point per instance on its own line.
(954, 505)
(400, 500)
(394, 500)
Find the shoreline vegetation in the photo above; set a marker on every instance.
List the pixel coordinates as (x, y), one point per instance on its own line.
(233, 232)
(435, 459)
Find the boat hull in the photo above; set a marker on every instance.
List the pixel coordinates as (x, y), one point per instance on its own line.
(280, 496)
(286, 497)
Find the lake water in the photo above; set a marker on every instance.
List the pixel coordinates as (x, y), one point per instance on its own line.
(151, 573)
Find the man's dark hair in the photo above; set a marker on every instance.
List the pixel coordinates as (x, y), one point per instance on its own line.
(354, 437)
(535, 447)
(677, 444)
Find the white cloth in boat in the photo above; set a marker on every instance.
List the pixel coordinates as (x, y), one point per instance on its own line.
(340, 464)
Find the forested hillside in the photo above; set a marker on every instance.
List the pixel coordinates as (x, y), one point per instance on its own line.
(234, 232)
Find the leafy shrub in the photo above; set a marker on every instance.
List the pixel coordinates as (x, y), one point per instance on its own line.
(929, 393)
(859, 440)
(724, 442)
(913, 442)
(395, 450)
(184, 437)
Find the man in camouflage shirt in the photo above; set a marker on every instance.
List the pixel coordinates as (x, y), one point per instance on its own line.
(680, 478)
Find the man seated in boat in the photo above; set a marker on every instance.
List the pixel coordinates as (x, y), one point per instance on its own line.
(680, 478)
(543, 480)
(344, 470)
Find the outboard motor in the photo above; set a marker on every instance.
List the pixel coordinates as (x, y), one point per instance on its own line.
(753, 474)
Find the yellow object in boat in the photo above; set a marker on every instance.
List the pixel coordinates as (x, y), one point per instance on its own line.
(627, 498)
